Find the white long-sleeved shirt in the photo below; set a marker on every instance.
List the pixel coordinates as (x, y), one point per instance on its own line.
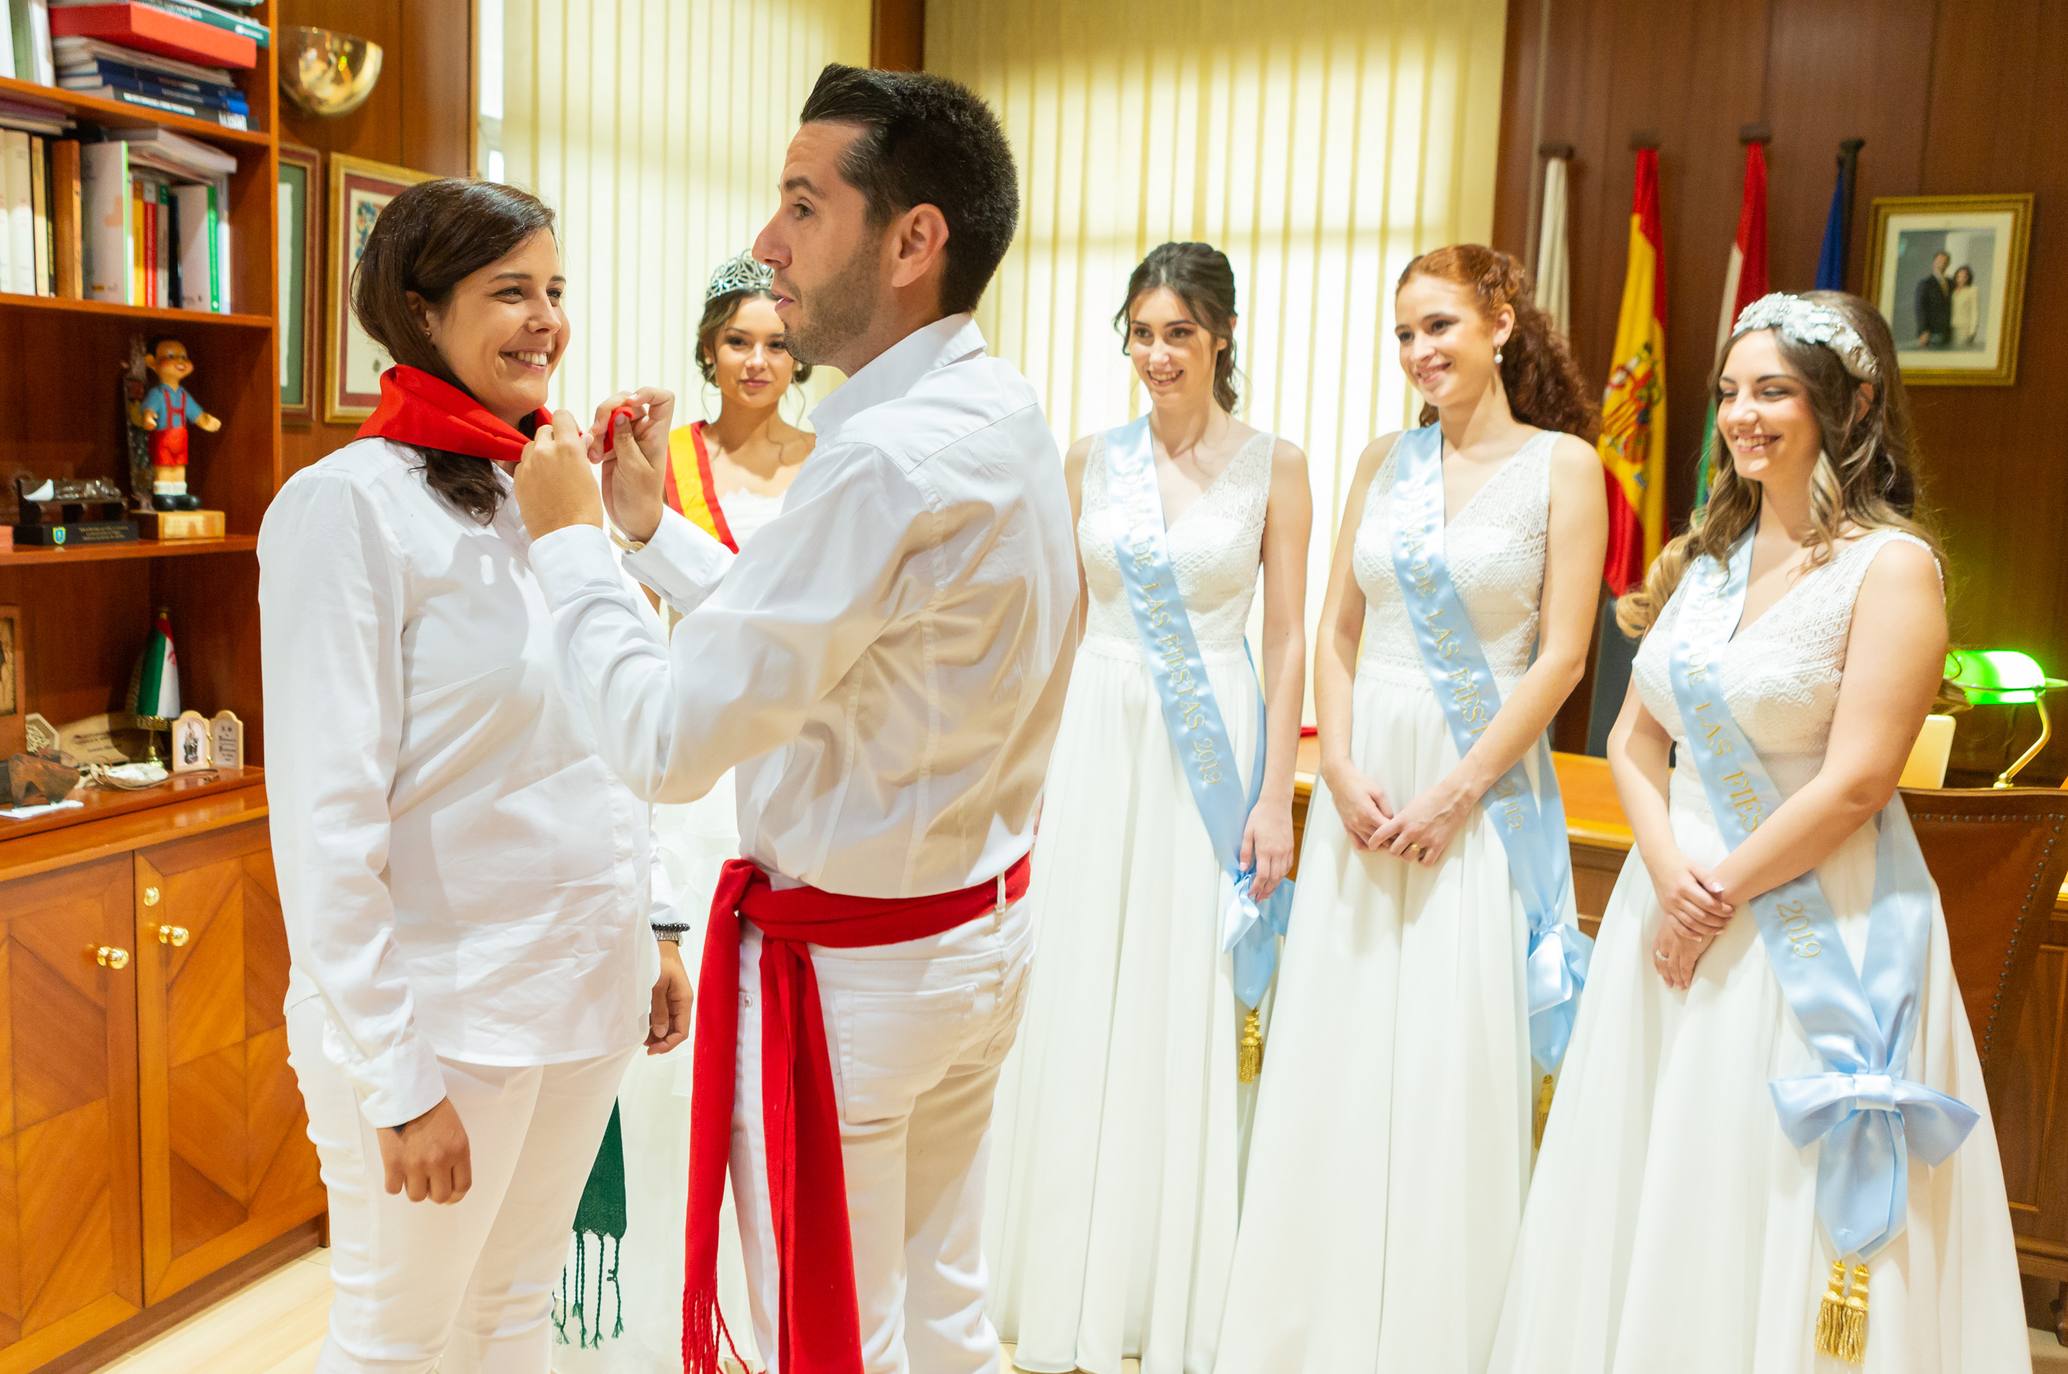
(459, 873)
(884, 664)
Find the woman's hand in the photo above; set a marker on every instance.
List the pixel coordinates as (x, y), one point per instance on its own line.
(554, 485)
(1359, 801)
(1690, 897)
(1675, 954)
(1267, 843)
(428, 1158)
(1420, 831)
(673, 996)
(635, 473)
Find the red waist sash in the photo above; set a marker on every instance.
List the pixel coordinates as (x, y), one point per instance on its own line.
(817, 1330)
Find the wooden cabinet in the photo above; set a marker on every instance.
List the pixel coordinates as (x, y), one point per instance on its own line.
(227, 1163)
(70, 1231)
(151, 1133)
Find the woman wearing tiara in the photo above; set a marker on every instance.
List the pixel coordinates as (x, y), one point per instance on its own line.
(1771, 1152)
(1432, 954)
(1121, 1117)
(728, 475)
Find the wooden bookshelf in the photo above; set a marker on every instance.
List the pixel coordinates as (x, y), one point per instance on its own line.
(87, 610)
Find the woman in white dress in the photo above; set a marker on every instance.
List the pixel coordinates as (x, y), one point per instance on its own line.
(1673, 1224)
(729, 476)
(1120, 1118)
(1967, 308)
(1393, 1131)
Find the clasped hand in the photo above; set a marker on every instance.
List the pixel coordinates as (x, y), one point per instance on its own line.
(555, 484)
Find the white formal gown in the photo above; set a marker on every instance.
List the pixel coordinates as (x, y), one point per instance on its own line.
(1118, 1139)
(1671, 1225)
(693, 841)
(1393, 1130)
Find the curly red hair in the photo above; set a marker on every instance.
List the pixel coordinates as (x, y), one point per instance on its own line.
(1543, 381)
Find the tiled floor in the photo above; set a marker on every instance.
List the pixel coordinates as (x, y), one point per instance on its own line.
(276, 1325)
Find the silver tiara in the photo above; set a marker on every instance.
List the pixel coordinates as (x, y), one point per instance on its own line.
(740, 274)
(1806, 322)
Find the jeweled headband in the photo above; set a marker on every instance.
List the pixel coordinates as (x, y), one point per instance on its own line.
(740, 274)
(1806, 322)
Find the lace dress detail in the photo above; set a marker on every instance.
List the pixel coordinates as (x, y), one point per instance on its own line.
(1495, 546)
(1216, 547)
(1780, 673)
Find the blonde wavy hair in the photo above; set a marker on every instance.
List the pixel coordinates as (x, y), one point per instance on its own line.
(1871, 484)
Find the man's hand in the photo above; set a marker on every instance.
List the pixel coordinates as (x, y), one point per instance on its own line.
(555, 486)
(635, 471)
(668, 1025)
(428, 1157)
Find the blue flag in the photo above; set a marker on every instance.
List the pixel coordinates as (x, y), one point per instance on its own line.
(1838, 224)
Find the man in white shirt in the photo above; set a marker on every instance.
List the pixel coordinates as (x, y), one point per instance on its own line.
(885, 666)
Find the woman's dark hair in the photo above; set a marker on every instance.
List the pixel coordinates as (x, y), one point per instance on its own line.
(927, 140)
(1960, 269)
(1538, 372)
(426, 241)
(718, 313)
(1199, 275)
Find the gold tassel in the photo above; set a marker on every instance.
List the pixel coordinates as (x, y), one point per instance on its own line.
(1249, 1058)
(1842, 1316)
(1543, 1113)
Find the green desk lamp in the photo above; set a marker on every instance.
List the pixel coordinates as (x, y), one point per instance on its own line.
(2004, 677)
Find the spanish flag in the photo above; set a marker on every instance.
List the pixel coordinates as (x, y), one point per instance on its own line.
(1633, 413)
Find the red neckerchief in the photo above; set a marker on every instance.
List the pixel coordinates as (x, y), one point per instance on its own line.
(417, 408)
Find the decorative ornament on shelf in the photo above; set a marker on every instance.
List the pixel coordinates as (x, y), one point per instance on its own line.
(327, 73)
(2003, 677)
(163, 415)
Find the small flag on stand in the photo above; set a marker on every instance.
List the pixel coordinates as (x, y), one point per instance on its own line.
(154, 689)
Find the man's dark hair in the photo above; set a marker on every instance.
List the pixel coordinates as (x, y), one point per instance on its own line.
(927, 141)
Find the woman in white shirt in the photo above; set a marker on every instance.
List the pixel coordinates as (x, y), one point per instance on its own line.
(466, 887)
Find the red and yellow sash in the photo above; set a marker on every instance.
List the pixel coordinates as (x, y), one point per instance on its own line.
(692, 489)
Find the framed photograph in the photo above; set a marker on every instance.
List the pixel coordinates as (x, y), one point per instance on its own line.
(1948, 273)
(352, 361)
(14, 689)
(301, 195)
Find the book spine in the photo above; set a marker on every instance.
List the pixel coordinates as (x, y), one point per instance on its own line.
(65, 198)
(39, 213)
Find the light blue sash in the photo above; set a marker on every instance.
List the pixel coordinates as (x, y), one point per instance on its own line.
(1861, 1023)
(1531, 826)
(1249, 931)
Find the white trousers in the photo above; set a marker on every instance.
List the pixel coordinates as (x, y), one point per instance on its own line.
(466, 1288)
(916, 1032)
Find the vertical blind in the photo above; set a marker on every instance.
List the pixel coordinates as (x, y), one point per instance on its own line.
(1321, 145)
(656, 130)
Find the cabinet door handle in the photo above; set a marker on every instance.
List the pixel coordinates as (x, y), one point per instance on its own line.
(108, 956)
(176, 936)
(152, 896)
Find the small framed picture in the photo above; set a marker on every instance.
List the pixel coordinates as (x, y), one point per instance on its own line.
(226, 741)
(191, 750)
(301, 219)
(1948, 273)
(14, 687)
(352, 361)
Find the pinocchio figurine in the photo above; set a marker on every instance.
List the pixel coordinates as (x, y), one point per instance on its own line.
(165, 413)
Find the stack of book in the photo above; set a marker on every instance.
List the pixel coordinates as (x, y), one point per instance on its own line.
(139, 217)
(176, 56)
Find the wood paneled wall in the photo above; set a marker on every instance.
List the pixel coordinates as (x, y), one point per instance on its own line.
(420, 115)
(1952, 97)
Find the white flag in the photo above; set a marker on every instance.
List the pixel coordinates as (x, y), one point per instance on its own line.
(1554, 266)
